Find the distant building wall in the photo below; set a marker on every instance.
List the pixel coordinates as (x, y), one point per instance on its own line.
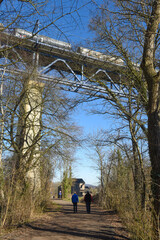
(78, 186)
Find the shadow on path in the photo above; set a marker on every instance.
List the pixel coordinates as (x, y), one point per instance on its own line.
(104, 234)
(99, 224)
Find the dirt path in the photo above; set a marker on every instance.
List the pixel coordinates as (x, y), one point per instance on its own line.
(99, 224)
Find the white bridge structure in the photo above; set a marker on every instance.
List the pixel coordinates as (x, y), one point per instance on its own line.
(22, 52)
(56, 61)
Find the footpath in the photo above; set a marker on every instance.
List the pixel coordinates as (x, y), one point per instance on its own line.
(66, 225)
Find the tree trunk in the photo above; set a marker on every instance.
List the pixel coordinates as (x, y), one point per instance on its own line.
(139, 177)
(153, 80)
(154, 151)
(154, 144)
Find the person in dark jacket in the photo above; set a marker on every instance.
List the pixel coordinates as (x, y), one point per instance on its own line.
(88, 200)
(75, 200)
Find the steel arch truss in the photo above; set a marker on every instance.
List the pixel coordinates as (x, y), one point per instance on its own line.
(69, 75)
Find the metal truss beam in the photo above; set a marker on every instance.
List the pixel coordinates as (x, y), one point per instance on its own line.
(78, 72)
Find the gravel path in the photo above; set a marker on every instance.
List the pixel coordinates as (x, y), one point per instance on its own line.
(65, 224)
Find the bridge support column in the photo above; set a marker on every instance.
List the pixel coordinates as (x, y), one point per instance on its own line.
(29, 134)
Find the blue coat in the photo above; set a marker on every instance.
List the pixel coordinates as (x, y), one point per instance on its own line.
(75, 198)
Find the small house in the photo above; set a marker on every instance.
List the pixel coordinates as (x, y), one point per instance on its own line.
(78, 186)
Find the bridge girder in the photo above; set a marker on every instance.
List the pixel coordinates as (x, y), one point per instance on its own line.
(77, 72)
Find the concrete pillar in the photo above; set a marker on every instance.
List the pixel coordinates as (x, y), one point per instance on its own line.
(33, 130)
(29, 133)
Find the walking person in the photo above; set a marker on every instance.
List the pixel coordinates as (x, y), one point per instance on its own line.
(88, 199)
(75, 200)
(60, 194)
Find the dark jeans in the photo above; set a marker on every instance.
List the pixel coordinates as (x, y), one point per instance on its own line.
(88, 207)
(75, 207)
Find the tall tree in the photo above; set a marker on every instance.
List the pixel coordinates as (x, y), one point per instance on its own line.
(22, 134)
(130, 30)
(152, 76)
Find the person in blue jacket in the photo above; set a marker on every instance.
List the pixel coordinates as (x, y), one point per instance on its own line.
(75, 200)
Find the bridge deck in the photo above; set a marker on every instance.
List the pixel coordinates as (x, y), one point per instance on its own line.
(49, 53)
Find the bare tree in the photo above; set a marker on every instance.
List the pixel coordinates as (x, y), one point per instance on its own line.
(34, 112)
(131, 31)
(99, 157)
(152, 76)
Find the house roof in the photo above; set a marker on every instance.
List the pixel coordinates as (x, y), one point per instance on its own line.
(78, 180)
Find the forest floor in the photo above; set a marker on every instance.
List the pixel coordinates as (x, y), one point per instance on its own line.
(60, 223)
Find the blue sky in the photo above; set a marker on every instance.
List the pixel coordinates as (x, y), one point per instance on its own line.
(74, 29)
(84, 167)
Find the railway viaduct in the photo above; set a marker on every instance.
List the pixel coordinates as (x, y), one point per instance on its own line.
(52, 60)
